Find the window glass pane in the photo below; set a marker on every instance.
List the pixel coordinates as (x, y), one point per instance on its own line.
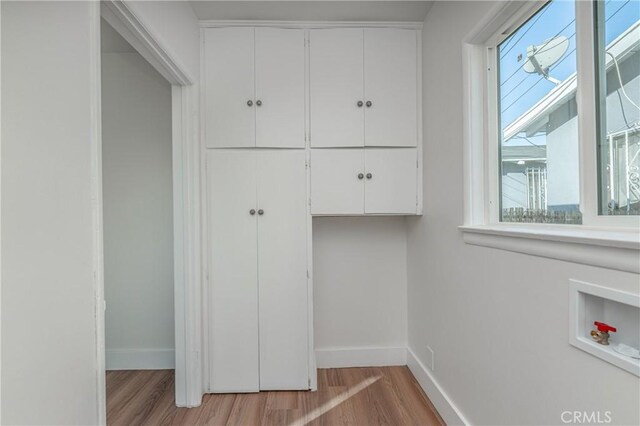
(618, 70)
(539, 178)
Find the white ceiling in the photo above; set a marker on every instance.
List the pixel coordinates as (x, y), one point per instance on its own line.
(409, 11)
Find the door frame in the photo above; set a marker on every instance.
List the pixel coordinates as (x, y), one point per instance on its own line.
(186, 201)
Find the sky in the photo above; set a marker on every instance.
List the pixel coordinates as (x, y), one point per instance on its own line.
(519, 90)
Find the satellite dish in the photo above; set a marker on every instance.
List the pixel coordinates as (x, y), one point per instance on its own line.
(542, 57)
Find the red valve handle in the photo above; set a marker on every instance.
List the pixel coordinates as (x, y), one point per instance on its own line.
(604, 327)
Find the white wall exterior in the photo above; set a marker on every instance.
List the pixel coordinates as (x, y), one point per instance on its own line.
(138, 217)
(563, 176)
(360, 282)
(496, 320)
(49, 361)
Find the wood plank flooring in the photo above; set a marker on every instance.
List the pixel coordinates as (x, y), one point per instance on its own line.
(346, 396)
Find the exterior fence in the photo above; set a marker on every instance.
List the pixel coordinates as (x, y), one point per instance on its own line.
(519, 214)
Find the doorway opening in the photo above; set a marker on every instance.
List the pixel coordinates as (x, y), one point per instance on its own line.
(138, 233)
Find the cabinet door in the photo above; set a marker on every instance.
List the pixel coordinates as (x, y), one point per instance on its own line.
(390, 64)
(233, 276)
(280, 105)
(282, 270)
(335, 185)
(336, 87)
(229, 86)
(390, 182)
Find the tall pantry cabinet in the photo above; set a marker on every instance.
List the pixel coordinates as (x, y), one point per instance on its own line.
(295, 122)
(257, 209)
(257, 270)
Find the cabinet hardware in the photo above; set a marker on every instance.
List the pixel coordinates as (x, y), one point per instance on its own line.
(360, 103)
(369, 103)
(252, 212)
(360, 176)
(369, 175)
(259, 102)
(260, 212)
(250, 102)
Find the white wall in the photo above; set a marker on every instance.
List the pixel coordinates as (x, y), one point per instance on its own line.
(360, 281)
(49, 362)
(496, 320)
(137, 199)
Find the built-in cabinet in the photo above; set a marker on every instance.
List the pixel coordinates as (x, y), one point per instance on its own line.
(346, 101)
(363, 87)
(356, 181)
(258, 310)
(254, 85)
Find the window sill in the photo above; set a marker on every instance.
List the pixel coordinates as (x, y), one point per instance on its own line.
(608, 248)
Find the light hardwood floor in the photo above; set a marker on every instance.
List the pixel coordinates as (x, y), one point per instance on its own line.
(346, 396)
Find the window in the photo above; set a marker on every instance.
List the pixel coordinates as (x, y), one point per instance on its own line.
(539, 161)
(551, 126)
(539, 92)
(618, 94)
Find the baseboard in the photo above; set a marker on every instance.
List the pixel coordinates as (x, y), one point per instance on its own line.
(360, 357)
(445, 406)
(140, 359)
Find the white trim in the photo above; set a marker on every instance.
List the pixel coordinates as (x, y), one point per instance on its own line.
(474, 128)
(577, 322)
(447, 409)
(97, 208)
(187, 252)
(186, 206)
(204, 226)
(118, 14)
(214, 23)
(140, 359)
(311, 354)
(420, 119)
(612, 249)
(1, 227)
(501, 21)
(361, 357)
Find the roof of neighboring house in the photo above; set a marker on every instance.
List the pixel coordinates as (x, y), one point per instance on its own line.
(524, 152)
(619, 48)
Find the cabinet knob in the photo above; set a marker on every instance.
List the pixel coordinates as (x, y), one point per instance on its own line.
(369, 103)
(250, 102)
(360, 103)
(252, 212)
(369, 175)
(360, 176)
(259, 102)
(260, 212)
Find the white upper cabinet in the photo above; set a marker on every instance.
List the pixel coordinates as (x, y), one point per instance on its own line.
(280, 79)
(254, 87)
(363, 87)
(390, 181)
(337, 178)
(360, 181)
(390, 87)
(229, 87)
(337, 87)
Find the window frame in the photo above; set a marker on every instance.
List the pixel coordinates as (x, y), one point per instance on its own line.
(606, 242)
(586, 99)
